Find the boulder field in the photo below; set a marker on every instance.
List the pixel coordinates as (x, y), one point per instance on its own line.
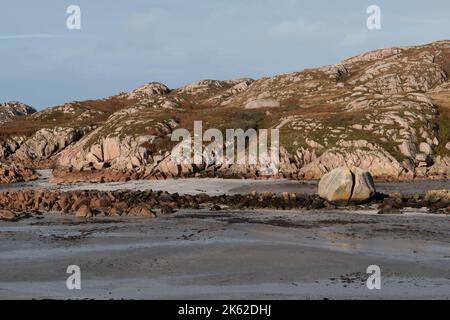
(16, 173)
(19, 204)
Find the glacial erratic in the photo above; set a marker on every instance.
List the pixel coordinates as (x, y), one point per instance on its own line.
(344, 185)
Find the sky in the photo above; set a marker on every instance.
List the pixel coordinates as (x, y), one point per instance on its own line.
(123, 44)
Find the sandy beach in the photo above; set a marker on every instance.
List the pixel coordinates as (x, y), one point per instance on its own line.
(217, 186)
(228, 255)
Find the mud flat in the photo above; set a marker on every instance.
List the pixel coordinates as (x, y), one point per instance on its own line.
(228, 254)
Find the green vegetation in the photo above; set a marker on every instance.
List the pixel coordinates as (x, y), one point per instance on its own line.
(443, 124)
(247, 120)
(293, 107)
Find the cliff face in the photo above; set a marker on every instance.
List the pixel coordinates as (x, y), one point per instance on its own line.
(386, 111)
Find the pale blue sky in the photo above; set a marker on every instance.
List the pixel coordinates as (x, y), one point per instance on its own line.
(125, 43)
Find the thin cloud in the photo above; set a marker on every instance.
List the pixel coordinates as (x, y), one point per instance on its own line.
(28, 36)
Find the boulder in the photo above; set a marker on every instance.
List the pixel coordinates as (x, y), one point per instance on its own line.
(7, 215)
(83, 212)
(16, 173)
(336, 186)
(441, 166)
(408, 149)
(166, 210)
(141, 211)
(438, 195)
(100, 202)
(379, 164)
(425, 148)
(344, 185)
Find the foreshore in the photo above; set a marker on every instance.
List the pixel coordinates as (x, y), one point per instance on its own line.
(246, 254)
(226, 239)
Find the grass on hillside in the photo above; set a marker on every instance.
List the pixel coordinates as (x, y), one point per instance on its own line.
(442, 100)
(27, 125)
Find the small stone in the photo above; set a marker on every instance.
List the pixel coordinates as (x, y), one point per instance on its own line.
(83, 212)
(389, 209)
(436, 141)
(166, 210)
(141, 211)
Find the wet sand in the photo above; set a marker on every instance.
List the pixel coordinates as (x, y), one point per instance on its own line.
(228, 255)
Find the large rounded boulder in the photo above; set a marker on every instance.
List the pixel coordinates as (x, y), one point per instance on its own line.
(337, 185)
(344, 185)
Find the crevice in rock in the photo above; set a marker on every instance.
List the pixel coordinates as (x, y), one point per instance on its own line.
(353, 187)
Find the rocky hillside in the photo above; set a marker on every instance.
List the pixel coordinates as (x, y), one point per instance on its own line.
(13, 109)
(386, 111)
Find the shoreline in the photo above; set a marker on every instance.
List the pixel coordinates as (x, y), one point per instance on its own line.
(233, 239)
(220, 186)
(313, 255)
(25, 203)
